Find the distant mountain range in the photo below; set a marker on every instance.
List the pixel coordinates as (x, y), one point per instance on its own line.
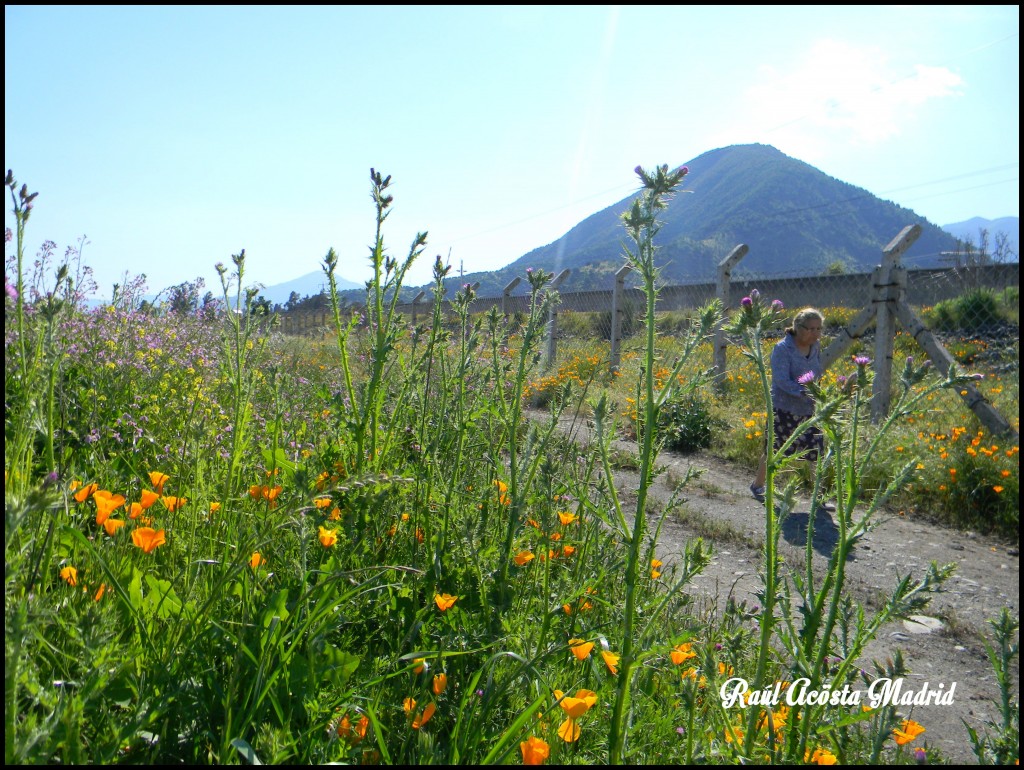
(308, 285)
(972, 228)
(796, 220)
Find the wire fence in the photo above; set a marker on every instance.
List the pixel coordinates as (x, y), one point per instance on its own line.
(963, 299)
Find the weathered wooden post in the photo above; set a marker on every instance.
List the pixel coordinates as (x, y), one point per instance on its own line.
(616, 330)
(722, 292)
(506, 295)
(553, 320)
(887, 292)
(416, 299)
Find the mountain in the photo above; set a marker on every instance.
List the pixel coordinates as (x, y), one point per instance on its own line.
(971, 230)
(308, 285)
(795, 218)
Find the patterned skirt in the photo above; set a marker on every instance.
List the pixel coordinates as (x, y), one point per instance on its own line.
(811, 439)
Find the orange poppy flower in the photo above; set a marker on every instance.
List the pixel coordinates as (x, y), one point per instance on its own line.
(611, 660)
(256, 560)
(255, 491)
(70, 574)
(907, 731)
(322, 502)
(214, 506)
(682, 653)
(135, 510)
(112, 525)
(173, 504)
(566, 517)
(147, 497)
(99, 594)
(569, 731)
(106, 503)
(655, 568)
(580, 648)
(148, 539)
(328, 537)
(158, 479)
(578, 706)
(535, 751)
(440, 683)
(420, 719)
(523, 557)
(445, 601)
(351, 734)
(86, 492)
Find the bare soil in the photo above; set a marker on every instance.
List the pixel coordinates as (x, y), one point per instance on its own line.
(947, 646)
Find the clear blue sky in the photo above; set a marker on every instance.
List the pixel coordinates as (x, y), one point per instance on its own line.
(173, 137)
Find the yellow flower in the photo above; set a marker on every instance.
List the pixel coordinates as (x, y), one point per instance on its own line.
(566, 517)
(70, 574)
(535, 751)
(611, 660)
(148, 539)
(580, 648)
(328, 537)
(655, 568)
(682, 653)
(440, 683)
(322, 502)
(445, 601)
(907, 731)
(214, 506)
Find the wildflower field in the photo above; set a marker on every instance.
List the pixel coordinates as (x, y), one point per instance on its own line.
(224, 545)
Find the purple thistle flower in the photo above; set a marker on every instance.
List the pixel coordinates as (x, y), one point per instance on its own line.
(746, 302)
(920, 756)
(806, 377)
(862, 360)
(777, 305)
(754, 294)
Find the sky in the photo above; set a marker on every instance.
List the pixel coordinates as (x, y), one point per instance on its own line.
(170, 138)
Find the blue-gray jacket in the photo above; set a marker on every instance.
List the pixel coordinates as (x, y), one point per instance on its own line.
(788, 365)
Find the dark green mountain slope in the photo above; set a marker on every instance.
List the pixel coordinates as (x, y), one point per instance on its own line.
(795, 219)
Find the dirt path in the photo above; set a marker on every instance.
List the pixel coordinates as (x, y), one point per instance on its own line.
(718, 506)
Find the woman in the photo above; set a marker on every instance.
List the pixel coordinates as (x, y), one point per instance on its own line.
(795, 360)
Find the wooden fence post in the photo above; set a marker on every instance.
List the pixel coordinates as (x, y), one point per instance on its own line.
(616, 330)
(553, 320)
(722, 292)
(887, 293)
(506, 295)
(416, 299)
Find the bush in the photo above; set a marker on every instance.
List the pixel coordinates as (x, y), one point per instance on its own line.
(974, 311)
(687, 424)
